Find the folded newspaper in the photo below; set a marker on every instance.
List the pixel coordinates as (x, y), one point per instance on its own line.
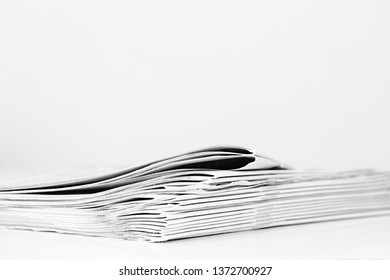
(204, 192)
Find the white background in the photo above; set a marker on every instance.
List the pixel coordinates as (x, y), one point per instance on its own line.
(125, 82)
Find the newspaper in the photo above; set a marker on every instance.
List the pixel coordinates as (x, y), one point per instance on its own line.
(204, 192)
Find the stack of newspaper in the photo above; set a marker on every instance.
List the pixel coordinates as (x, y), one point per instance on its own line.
(209, 191)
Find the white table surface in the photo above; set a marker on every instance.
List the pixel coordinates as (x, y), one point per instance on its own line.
(367, 238)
